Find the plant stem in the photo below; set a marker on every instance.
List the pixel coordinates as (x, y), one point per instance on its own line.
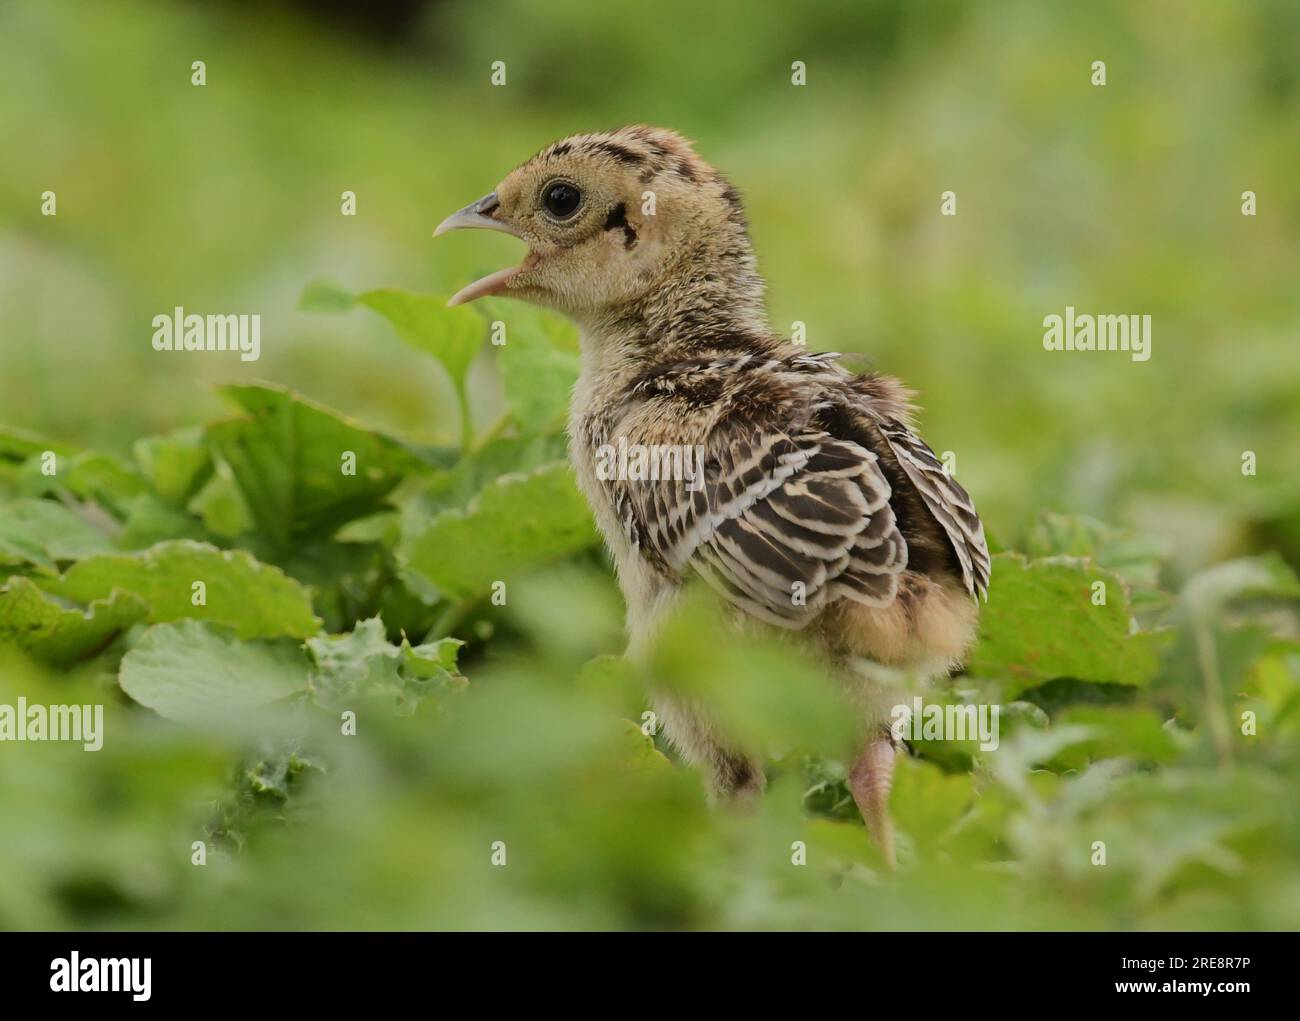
(1208, 660)
(450, 619)
(466, 420)
(492, 432)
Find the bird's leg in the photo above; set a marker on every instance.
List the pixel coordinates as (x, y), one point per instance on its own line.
(735, 779)
(870, 780)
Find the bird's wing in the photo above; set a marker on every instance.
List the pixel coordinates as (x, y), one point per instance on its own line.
(944, 497)
(780, 526)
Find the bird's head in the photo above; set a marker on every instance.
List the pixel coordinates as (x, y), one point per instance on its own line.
(613, 220)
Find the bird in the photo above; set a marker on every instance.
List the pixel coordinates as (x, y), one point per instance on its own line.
(821, 511)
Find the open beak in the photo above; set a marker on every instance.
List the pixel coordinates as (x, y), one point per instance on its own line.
(482, 215)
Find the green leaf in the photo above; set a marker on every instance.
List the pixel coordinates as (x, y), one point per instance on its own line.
(538, 362)
(192, 672)
(277, 775)
(1061, 692)
(927, 803)
(1215, 649)
(151, 520)
(364, 664)
(459, 484)
(783, 701)
(1134, 556)
(56, 632)
(1275, 689)
(1014, 760)
(431, 659)
(257, 600)
(1119, 731)
(514, 524)
(288, 457)
(535, 325)
(89, 475)
(1040, 623)
(641, 751)
(323, 296)
(221, 506)
(44, 533)
(1249, 578)
(19, 444)
(452, 335)
(384, 527)
(177, 464)
(538, 380)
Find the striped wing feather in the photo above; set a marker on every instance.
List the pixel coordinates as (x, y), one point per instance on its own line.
(781, 526)
(950, 504)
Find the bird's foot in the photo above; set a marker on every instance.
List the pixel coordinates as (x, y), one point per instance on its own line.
(870, 780)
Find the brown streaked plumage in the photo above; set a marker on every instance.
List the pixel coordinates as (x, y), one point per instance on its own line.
(814, 481)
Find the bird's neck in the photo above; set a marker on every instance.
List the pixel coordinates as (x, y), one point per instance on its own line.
(709, 301)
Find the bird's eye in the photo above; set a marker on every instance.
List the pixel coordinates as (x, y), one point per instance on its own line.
(561, 200)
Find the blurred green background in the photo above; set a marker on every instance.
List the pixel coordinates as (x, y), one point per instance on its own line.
(1117, 199)
(225, 198)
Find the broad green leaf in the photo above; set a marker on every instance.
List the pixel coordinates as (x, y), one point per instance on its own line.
(19, 444)
(289, 457)
(44, 533)
(1275, 686)
(845, 841)
(535, 324)
(347, 664)
(538, 380)
(514, 524)
(151, 520)
(221, 506)
(89, 475)
(93, 475)
(431, 659)
(641, 751)
(538, 360)
(177, 464)
(384, 527)
(1134, 556)
(452, 335)
(192, 672)
(927, 803)
(761, 691)
(607, 671)
(255, 599)
(1041, 623)
(454, 487)
(1120, 732)
(364, 663)
(57, 632)
(1014, 761)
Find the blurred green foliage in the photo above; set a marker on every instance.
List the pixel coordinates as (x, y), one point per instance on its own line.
(328, 593)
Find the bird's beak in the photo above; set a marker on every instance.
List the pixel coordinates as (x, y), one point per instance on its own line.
(482, 215)
(477, 214)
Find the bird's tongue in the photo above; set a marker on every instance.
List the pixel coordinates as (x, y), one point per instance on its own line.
(493, 283)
